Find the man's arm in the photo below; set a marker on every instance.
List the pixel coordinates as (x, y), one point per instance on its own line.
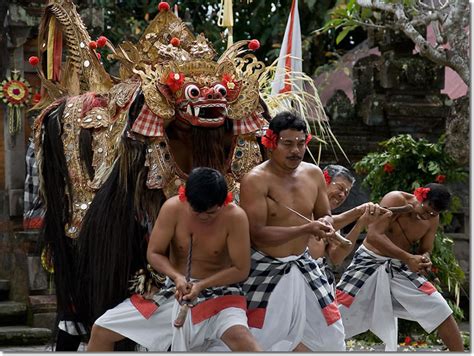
(426, 243)
(347, 217)
(238, 247)
(253, 199)
(161, 236)
(317, 248)
(376, 235)
(338, 252)
(321, 208)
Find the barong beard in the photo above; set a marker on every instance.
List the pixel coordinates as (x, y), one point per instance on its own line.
(208, 147)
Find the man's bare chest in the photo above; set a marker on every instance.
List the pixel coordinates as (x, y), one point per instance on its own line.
(408, 229)
(204, 242)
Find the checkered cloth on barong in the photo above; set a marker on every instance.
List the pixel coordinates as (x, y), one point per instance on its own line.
(363, 265)
(266, 272)
(208, 303)
(253, 123)
(148, 123)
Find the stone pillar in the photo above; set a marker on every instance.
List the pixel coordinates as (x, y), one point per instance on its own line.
(19, 26)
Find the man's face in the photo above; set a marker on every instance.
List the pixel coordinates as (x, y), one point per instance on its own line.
(338, 191)
(290, 148)
(208, 215)
(425, 211)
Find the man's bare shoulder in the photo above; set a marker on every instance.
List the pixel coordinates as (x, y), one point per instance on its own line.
(311, 168)
(255, 175)
(395, 198)
(172, 205)
(235, 213)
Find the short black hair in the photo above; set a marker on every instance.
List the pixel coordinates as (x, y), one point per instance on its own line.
(335, 170)
(438, 196)
(287, 120)
(205, 188)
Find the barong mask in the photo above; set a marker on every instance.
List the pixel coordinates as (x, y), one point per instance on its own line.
(178, 77)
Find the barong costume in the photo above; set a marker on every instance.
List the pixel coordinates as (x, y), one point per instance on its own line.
(376, 290)
(290, 301)
(150, 322)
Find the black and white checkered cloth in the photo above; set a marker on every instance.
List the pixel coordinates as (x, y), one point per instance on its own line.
(33, 206)
(164, 294)
(326, 269)
(266, 272)
(364, 264)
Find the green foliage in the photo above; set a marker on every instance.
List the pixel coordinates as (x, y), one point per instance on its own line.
(405, 164)
(414, 162)
(264, 20)
(446, 268)
(347, 15)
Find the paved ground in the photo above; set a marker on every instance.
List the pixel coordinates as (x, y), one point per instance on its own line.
(355, 348)
(351, 346)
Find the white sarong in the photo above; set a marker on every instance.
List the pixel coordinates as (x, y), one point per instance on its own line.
(387, 295)
(206, 321)
(199, 337)
(154, 333)
(294, 315)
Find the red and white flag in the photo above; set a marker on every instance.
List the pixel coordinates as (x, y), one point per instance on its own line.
(290, 59)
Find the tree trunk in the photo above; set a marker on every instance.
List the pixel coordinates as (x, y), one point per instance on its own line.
(457, 131)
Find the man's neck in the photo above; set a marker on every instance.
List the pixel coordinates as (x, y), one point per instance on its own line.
(280, 170)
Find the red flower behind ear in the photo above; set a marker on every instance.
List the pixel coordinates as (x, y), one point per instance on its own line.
(229, 198)
(421, 193)
(182, 193)
(308, 138)
(327, 177)
(269, 140)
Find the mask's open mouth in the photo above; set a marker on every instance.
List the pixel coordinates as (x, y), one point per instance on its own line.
(211, 113)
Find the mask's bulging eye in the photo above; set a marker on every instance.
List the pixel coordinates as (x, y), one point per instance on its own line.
(219, 88)
(192, 92)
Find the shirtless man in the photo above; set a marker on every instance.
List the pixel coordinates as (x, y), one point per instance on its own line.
(201, 224)
(339, 182)
(387, 271)
(291, 306)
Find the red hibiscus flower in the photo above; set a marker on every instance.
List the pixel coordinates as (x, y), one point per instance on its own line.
(421, 193)
(388, 168)
(269, 140)
(327, 177)
(36, 98)
(182, 193)
(229, 198)
(441, 178)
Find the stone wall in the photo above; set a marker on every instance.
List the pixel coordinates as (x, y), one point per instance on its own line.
(394, 93)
